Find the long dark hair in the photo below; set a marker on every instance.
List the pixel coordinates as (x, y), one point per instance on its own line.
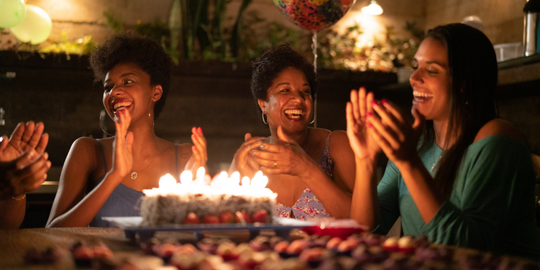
(473, 71)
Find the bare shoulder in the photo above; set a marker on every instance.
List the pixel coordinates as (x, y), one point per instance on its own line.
(339, 139)
(499, 127)
(84, 145)
(183, 152)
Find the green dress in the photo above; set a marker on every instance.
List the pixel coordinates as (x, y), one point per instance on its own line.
(491, 207)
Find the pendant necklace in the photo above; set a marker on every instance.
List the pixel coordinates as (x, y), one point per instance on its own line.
(436, 163)
(134, 174)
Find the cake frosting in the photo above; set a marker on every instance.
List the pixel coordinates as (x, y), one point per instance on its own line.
(198, 201)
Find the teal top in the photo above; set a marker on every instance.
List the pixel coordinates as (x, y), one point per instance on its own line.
(491, 207)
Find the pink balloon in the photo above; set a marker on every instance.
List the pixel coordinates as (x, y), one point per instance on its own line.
(314, 15)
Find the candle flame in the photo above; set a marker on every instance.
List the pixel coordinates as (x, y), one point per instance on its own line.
(235, 178)
(200, 173)
(167, 182)
(246, 181)
(186, 177)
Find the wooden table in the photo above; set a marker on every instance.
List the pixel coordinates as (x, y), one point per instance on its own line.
(15, 243)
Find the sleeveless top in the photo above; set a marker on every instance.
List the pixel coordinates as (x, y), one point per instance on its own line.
(123, 201)
(308, 206)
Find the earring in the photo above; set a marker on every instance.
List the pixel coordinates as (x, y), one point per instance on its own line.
(313, 121)
(264, 121)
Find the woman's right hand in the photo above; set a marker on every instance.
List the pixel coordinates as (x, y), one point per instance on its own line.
(362, 144)
(122, 147)
(242, 158)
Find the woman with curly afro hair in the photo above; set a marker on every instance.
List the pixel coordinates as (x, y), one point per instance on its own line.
(105, 177)
(311, 169)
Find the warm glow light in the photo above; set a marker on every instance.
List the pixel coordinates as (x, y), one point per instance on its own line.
(246, 181)
(167, 182)
(221, 185)
(372, 9)
(235, 178)
(186, 177)
(200, 173)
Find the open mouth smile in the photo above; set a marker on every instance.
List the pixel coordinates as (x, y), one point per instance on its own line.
(121, 105)
(294, 114)
(420, 97)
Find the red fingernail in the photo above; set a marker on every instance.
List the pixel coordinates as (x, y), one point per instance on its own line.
(200, 130)
(369, 114)
(369, 125)
(384, 102)
(374, 103)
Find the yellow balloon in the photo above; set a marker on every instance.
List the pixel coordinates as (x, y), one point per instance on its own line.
(12, 12)
(36, 26)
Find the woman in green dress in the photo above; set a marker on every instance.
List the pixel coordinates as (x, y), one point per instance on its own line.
(458, 175)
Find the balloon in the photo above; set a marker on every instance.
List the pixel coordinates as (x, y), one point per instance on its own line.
(12, 12)
(36, 26)
(314, 15)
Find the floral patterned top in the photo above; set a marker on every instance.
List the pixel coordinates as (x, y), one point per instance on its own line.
(308, 206)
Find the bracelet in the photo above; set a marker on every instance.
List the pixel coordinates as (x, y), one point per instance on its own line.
(19, 198)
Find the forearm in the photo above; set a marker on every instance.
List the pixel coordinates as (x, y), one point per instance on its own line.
(83, 212)
(365, 206)
(335, 201)
(420, 184)
(11, 213)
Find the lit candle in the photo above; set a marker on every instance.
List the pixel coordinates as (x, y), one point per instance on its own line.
(246, 182)
(167, 182)
(186, 178)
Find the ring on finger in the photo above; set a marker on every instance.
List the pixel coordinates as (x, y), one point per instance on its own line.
(275, 164)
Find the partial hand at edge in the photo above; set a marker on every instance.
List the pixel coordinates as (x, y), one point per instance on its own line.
(24, 138)
(23, 175)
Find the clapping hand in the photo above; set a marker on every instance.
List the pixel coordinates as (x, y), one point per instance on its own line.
(358, 109)
(23, 163)
(243, 158)
(24, 174)
(286, 157)
(23, 139)
(123, 145)
(394, 134)
(198, 149)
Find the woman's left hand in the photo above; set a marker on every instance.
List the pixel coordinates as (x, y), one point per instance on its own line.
(393, 133)
(285, 158)
(199, 155)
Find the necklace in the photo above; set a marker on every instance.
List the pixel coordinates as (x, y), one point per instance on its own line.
(134, 174)
(436, 162)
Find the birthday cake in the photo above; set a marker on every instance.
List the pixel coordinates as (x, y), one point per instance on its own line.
(197, 201)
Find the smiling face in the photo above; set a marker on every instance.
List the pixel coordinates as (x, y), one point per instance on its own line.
(127, 87)
(431, 80)
(289, 101)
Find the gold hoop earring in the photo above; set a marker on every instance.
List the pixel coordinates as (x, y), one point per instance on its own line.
(313, 121)
(264, 121)
(102, 118)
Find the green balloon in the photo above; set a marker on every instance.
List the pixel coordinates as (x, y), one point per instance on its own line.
(36, 26)
(12, 12)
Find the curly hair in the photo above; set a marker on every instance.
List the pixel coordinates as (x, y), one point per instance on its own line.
(129, 47)
(270, 64)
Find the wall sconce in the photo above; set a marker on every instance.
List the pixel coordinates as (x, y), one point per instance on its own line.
(372, 9)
